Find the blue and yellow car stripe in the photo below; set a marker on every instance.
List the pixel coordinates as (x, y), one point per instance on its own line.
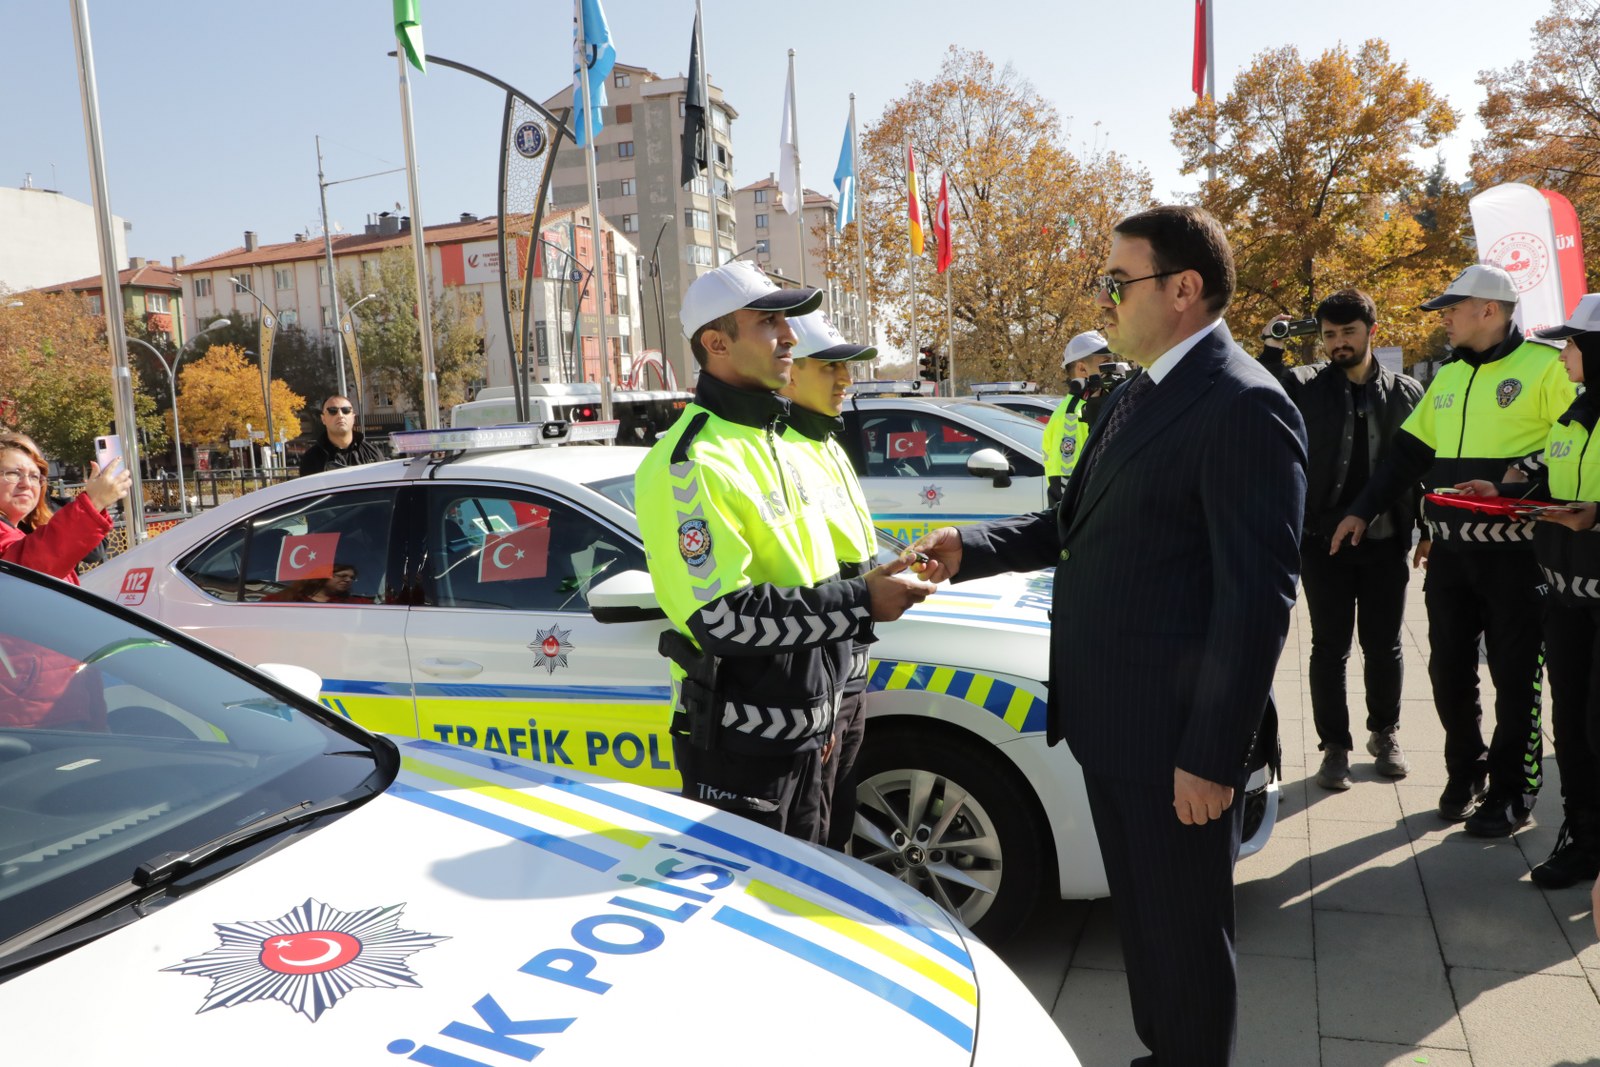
(1019, 709)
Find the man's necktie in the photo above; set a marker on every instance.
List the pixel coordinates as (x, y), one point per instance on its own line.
(1137, 390)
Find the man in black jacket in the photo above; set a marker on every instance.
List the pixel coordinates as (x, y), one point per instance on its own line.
(1352, 407)
(340, 444)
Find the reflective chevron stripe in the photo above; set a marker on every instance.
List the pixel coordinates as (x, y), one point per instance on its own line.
(765, 631)
(860, 663)
(1485, 533)
(1588, 588)
(780, 724)
(1021, 710)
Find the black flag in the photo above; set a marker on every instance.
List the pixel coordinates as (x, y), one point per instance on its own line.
(696, 150)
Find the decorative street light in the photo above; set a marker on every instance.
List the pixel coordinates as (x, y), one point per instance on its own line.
(268, 324)
(347, 333)
(172, 383)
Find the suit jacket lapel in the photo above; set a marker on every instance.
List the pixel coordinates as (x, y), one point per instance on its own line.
(1188, 380)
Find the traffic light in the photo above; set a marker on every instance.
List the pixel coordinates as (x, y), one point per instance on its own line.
(929, 364)
(944, 367)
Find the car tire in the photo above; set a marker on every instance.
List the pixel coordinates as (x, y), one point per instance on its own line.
(944, 813)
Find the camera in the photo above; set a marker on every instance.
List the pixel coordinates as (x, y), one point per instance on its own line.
(1114, 373)
(1294, 328)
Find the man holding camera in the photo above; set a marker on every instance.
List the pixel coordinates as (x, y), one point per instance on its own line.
(1352, 407)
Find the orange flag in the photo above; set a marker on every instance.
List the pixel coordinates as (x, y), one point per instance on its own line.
(913, 201)
(941, 225)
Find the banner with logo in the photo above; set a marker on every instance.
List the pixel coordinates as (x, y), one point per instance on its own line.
(1569, 248)
(1515, 232)
(268, 326)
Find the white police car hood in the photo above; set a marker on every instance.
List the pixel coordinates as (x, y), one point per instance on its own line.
(485, 911)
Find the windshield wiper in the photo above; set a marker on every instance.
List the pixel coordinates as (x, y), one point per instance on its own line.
(171, 865)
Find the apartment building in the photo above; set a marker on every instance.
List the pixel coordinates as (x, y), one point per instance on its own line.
(152, 298)
(771, 236)
(48, 236)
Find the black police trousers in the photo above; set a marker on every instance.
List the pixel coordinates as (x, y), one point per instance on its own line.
(1361, 590)
(1493, 593)
(1572, 650)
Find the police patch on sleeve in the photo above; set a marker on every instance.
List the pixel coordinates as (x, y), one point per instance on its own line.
(694, 541)
(1069, 445)
(1507, 391)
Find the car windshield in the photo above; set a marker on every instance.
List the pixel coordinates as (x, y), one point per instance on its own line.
(1024, 431)
(617, 490)
(120, 743)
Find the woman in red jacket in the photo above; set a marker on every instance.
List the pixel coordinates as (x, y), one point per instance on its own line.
(30, 534)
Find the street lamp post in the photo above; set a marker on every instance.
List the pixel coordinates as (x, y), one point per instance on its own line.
(172, 384)
(265, 355)
(347, 324)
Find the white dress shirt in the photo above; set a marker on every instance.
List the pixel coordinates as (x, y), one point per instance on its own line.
(1169, 359)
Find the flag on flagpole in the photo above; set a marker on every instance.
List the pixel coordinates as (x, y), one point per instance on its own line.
(408, 30)
(1201, 48)
(941, 225)
(913, 201)
(596, 55)
(788, 190)
(844, 179)
(696, 153)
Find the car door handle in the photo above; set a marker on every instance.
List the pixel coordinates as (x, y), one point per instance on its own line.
(449, 667)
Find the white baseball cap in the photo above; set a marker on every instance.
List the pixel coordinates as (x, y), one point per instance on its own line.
(1086, 344)
(1585, 318)
(740, 284)
(816, 337)
(1480, 280)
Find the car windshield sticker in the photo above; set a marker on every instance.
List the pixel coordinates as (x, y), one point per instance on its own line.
(522, 553)
(308, 958)
(552, 646)
(931, 496)
(306, 556)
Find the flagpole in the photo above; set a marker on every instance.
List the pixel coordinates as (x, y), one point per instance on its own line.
(1211, 88)
(711, 139)
(799, 186)
(596, 240)
(430, 380)
(861, 241)
(911, 251)
(949, 331)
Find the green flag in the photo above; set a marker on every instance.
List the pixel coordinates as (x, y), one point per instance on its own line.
(408, 28)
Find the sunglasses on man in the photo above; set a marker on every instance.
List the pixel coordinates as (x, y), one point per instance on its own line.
(1113, 287)
(335, 409)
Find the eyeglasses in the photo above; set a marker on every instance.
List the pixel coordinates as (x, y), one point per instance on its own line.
(337, 410)
(17, 474)
(1113, 287)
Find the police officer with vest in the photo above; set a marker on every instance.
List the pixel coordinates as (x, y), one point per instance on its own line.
(1352, 407)
(744, 566)
(816, 393)
(1567, 544)
(1492, 403)
(1068, 427)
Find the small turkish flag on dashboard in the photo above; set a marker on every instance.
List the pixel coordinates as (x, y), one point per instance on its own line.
(307, 556)
(523, 553)
(908, 444)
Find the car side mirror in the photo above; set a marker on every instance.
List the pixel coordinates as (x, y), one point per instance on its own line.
(302, 680)
(625, 597)
(990, 463)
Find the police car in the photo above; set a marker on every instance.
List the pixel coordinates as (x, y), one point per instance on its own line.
(498, 599)
(199, 864)
(1022, 397)
(926, 462)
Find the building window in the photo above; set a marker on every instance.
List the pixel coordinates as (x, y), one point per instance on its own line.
(763, 246)
(699, 186)
(630, 224)
(159, 302)
(683, 107)
(322, 274)
(624, 113)
(719, 120)
(283, 277)
(288, 318)
(95, 307)
(761, 196)
(369, 268)
(630, 187)
(620, 80)
(761, 222)
(698, 254)
(327, 318)
(722, 189)
(624, 149)
(240, 280)
(202, 287)
(698, 220)
(724, 159)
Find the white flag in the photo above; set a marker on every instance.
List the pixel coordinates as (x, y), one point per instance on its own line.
(788, 152)
(1514, 231)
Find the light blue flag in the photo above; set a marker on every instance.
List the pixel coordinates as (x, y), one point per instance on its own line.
(844, 179)
(597, 55)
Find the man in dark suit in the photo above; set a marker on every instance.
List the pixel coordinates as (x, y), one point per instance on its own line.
(1176, 548)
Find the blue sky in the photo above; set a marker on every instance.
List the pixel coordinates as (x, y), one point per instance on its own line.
(210, 107)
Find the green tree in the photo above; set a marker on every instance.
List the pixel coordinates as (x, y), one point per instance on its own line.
(390, 339)
(1315, 185)
(1541, 116)
(1031, 220)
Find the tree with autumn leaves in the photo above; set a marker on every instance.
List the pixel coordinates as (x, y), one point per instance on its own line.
(1032, 220)
(219, 394)
(1314, 182)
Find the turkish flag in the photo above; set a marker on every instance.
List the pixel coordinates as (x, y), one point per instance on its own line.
(1202, 49)
(908, 444)
(522, 553)
(529, 514)
(952, 435)
(307, 556)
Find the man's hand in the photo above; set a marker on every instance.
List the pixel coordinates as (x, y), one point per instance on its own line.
(891, 592)
(1580, 518)
(1419, 557)
(942, 547)
(1196, 800)
(1478, 487)
(1351, 527)
(1267, 339)
(1515, 473)
(108, 486)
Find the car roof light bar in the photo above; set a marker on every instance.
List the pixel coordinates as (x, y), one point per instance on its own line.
(999, 388)
(875, 388)
(493, 438)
